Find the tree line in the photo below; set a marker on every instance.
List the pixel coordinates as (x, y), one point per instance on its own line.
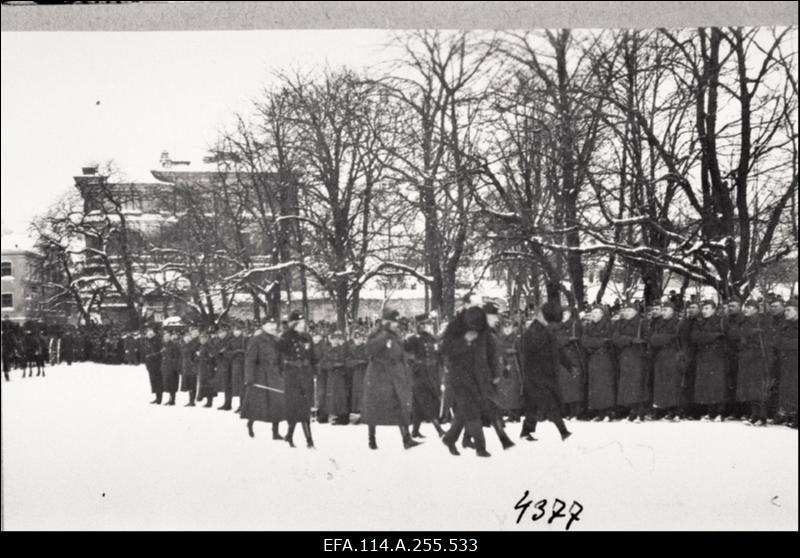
(641, 154)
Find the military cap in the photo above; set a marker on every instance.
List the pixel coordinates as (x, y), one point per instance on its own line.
(491, 308)
(708, 302)
(752, 303)
(390, 315)
(423, 319)
(294, 316)
(667, 304)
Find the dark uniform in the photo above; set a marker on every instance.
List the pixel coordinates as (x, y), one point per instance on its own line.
(152, 361)
(601, 366)
(357, 365)
(188, 368)
(711, 364)
(337, 392)
(298, 362)
(471, 367)
(426, 380)
(630, 340)
(572, 379)
(387, 384)
(237, 348)
(206, 372)
(541, 357)
(786, 345)
(263, 395)
(222, 361)
(668, 349)
(170, 373)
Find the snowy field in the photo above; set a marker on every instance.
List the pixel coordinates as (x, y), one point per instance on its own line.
(82, 449)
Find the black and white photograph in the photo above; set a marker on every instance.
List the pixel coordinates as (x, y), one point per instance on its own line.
(400, 266)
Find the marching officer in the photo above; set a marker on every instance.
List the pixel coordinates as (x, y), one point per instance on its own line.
(206, 378)
(388, 391)
(264, 387)
(222, 361)
(425, 375)
(755, 357)
(298, 362)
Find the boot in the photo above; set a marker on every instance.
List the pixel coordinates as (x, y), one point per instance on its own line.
(157, 400)
(290, 435)
(275, 434)
(483, 453)
(209, 401)
(227, 405)
(450, 446)
(191, 399)
(250, 428)
(307, 432)
(408, 442)
(415, 433)
(438, 427)
(171, 401)
(373, 444)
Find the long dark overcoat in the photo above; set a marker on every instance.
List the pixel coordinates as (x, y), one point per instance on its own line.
(601, 365)
(337, 390)
(630, 341)
(261, 371)
(426, 376)
(572, 378)
(237, 348)
(786, 345)
(299, 363)
(540, 361)
(152, 361)
(668, 350)
(188, 365)
(170, 361)
(709, 336)
(387, 383)
(755, 356)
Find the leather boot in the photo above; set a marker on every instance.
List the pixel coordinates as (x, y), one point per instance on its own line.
(373, 444)
(250, 431)
(408, 441)
(290, 435)
(275, 434)
(307, 432)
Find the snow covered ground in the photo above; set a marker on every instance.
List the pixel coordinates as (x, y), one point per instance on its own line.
(82, 449)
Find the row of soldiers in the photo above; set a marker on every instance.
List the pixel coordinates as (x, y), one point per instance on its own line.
(634, 366)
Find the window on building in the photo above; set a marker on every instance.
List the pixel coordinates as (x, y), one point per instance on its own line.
(6, 269)
(8, 300)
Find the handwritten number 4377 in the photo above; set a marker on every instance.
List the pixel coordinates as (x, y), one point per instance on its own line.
(556, 511)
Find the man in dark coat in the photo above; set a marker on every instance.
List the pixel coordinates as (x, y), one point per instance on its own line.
(388, 391)
(188, 363)
(263, 398)
(237, 349)
(222, 361)
(170, 362)
(735, 320)
(68, 345)
(786, 344)
(337, 387)
(572, 379)
(206, 369)
(426, 376)
(668, 349)
(541, 359)
(357, 365)
(755, 356)
(710, 337)
(601, 364)
(630, 340)
(152, 361)
(471, 364)
(299, 363)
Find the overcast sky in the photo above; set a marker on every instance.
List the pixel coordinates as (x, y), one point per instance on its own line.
(156, 91)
